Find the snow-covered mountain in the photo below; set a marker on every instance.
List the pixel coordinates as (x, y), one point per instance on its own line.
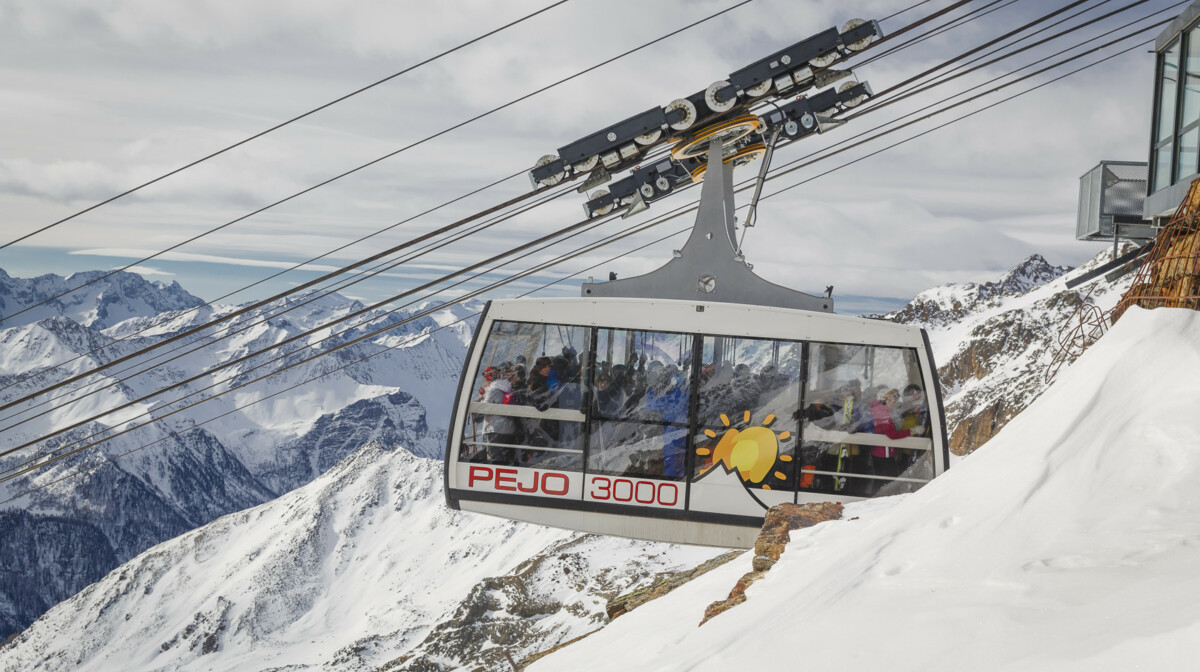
(361, 569)
(994, 342)
(116, 298)
(1051, 549)
(226, 454)
(1069, 543)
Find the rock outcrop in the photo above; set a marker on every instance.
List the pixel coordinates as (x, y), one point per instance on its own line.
(625, 603)
(778, 524)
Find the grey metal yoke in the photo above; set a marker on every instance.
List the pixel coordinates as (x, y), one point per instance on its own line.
(708, 267)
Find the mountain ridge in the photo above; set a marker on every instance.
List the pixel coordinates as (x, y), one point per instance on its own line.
(183, 471)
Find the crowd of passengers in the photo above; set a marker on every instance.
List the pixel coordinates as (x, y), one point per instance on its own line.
(551, 382)
(881, 410)
(657, 392)
(643, 390)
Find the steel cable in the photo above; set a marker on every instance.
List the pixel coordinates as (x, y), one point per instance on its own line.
(389, 155)
(289, 121)
(747, 183)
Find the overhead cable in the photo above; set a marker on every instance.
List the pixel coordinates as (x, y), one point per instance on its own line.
(873, 138)
(288, 122)
(392, 154)
(747, 183)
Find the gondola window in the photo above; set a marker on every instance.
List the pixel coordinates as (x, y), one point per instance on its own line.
(866, 423)
(747, 420)
(640, 404)
(527, 404)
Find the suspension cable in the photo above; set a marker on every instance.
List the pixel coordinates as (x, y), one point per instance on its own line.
(957, 22)
(951, 76)
(289, 121)
(895, 14)
(785, 164)
(373, 334)
(983, 46)
(389, 155)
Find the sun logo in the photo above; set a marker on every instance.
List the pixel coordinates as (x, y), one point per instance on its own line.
(752, 451)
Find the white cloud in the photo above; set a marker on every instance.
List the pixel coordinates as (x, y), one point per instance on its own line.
(147, 270)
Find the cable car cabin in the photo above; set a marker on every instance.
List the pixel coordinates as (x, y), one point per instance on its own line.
(680, 404)
(683, 421)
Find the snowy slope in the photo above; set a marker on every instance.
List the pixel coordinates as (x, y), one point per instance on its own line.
(1070, 542)
(360, 568)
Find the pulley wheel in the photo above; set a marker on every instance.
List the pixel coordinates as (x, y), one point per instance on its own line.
(824, 61)
(855, 101)
(604, 210)
(689, 111)
(759, 89)
(648, 138)
(586, 164)
(710, 98)
(553, 179)
(748, 154)
(860, 44)
(731, 130)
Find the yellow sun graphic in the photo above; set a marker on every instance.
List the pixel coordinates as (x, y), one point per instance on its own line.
(753, 451)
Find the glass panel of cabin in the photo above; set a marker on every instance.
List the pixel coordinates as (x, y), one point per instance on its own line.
(526, 408)
(747, 419)
(866, 422)
(640, 403)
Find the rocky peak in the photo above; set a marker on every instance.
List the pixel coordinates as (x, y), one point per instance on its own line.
(110, 300)
(948, 304)
(993, 342)
(1032, 272)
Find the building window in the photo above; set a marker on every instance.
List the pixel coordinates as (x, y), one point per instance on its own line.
(1189, 122)
(1164, 134)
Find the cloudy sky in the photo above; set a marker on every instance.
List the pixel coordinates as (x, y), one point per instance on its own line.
(99, 96)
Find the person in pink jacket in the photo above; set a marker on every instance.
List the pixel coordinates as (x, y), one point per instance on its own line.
(884, 459)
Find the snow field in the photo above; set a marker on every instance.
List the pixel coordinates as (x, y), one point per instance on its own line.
(1070, 542)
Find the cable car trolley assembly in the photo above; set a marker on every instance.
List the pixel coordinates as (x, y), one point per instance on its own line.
(679, 405)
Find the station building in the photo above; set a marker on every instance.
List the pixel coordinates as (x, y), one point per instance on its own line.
(1125, 200)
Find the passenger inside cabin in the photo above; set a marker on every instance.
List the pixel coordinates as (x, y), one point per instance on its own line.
(499, 431)
(885, 460)
(914, 414)
(849, 416)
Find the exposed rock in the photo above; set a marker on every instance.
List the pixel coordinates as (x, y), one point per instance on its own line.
(780, 520)
(628, 602)
(396, 419)
(762, 563)
(545, 601)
